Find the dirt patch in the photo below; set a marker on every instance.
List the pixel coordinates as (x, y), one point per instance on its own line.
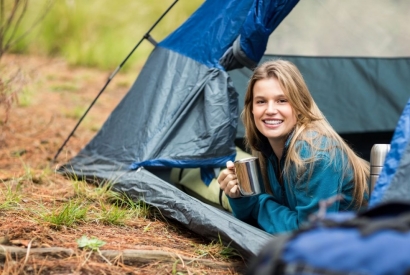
(52, 101)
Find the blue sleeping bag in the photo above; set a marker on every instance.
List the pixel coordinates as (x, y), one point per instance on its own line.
(374, 242)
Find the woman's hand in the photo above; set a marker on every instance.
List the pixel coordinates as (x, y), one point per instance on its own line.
(228, 181)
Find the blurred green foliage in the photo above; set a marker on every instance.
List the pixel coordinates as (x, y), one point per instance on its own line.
(101, 33)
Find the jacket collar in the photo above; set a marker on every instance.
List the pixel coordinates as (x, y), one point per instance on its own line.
(272, 155)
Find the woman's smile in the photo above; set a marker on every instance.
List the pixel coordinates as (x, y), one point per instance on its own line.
(273, 122)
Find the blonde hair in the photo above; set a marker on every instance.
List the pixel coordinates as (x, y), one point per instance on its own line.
(311, 127)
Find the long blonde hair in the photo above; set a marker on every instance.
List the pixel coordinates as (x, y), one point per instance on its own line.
(311, 127)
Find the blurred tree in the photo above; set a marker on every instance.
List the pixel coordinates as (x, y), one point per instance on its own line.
(11, 15)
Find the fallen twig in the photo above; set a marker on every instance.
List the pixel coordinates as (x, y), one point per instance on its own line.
(127, 256)
(20, 252)
(145, 256)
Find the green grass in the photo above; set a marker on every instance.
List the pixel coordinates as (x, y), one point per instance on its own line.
(101, 33)
(86, 191)
(10, 194)
(109, 214)
(67, 215)
(137, 209)
(109, 207)
(90, 204)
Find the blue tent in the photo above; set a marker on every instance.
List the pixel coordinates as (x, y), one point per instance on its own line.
(183, 109)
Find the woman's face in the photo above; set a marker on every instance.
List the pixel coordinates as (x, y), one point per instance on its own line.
(273, 115)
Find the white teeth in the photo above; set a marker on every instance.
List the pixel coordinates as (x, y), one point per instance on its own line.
(273, 122)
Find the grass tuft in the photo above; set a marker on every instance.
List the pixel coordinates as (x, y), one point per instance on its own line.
(10, 195)
(111, 214)
(67, 215)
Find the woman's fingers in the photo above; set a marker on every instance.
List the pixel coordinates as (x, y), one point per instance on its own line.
(221, 178)
(230, 165)
(234, 191)
(225, 177)
(228, 181)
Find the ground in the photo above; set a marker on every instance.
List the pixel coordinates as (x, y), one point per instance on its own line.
(50, 99)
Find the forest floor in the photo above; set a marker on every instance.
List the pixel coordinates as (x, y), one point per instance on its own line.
(49, 97)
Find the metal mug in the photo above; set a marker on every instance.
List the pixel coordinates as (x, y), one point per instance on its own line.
(377, 157)
(249, 176)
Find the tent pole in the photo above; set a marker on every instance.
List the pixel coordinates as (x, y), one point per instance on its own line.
(146, 36)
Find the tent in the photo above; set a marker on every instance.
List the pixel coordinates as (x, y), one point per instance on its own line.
(183, 109)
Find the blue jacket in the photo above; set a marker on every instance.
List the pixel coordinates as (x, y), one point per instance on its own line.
(292, 203)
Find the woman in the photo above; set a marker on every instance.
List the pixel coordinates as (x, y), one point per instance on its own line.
(303, 159)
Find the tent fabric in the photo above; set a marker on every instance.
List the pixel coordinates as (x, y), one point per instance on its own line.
(213, 28)
(178, 113)
(263, 18)
(250, 45)
(393, 181)
(209, 31)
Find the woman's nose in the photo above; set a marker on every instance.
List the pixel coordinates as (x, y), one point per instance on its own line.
(272, 108)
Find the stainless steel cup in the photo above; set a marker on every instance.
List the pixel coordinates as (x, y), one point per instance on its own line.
(249, 176)
(377, 157)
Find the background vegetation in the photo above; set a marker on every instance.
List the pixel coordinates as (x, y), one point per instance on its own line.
(100, 33)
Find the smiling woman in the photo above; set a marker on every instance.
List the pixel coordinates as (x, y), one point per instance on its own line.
(304, 161)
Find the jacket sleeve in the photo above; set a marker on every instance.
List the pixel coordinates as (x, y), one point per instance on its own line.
(303, 199)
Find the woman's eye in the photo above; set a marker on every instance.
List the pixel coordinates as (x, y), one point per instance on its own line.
(282, 100)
